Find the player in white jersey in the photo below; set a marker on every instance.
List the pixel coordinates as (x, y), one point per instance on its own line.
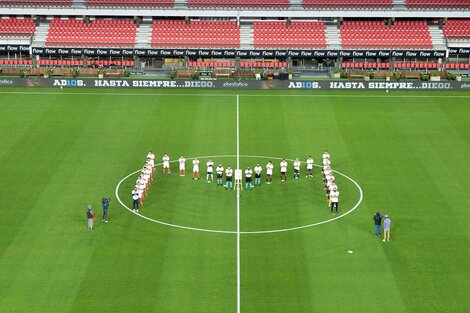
(248, 178)
(228, 178)
(326, 162)
(258, 170)
(220, 173)
(151, 163)
(182, 163)
(166, 164)
(141, 189)
(269, 172)
(147, 171)
(283, 170)
(334, 195)
(330, 179)
(309, 166)
(210, 171)
(325, 155)
(297, 169)
(151, 157)
(195, 168)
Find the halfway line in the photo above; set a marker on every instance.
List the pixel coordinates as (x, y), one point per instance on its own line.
(238, 207)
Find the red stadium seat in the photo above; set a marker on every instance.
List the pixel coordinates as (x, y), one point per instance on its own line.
(196, 34)
(99, 33)
(377, 35)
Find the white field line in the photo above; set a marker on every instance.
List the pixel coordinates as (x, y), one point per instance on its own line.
(241, 232)
(238, 207)
(388, 95)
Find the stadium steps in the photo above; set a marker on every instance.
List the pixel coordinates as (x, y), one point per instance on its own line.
(333, 37)
(78, 4)
(181, 4)
(296, 4)
(399, 4)
(40, 35)
(247, 40)
(143, 36)
(437, 37)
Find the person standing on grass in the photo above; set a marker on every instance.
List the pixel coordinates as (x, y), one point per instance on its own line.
(210, 171)
(387, 225)
(258, 170)
(135, 200)
(195, 168)
(283, 166)
(166, 164)
(151, 161)
(90, 216)
(228, 178)
(334, 196)
(248, 178)
(378, 222)
(220, 173)
(297, 169)
(309, 167)
(105, 203)
(182, 162)
(269, 172)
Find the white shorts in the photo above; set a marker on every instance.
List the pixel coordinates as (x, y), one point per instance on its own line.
(182, 167)
(269, 172)
(309, 167)
(196, 169)
(166, 164)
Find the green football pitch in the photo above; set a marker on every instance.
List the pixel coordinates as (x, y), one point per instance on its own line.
(196, 247)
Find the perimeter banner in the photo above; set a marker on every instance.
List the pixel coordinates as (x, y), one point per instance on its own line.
(233, 84)
(229, 53)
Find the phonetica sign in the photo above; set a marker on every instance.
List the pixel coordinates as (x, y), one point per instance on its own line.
(232, 84)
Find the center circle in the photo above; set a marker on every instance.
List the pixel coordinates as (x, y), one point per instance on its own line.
(318, 192)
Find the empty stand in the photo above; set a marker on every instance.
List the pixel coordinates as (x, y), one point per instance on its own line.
(377, 35)
(457, 30)
(197, 34)
(15, 62)
(36, 3)
(263, 64)
(365, 65)
(347, 4)
(264, 4)
(278, 34)
(59, 62)
(438, 4)
(211, 64)
(17, 27)
(417, 65)
(131, 3)
(457, 66)
(98, 33)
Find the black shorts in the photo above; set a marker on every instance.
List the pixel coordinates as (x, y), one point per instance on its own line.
(283, 173)
(210, 173)
(248, 179)
(296, 171)
(219, 175)
(258, 175)
(228, 178)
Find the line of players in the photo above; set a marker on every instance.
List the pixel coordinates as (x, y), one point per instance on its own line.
(249, 173)
(332, 193)
(143, 182)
